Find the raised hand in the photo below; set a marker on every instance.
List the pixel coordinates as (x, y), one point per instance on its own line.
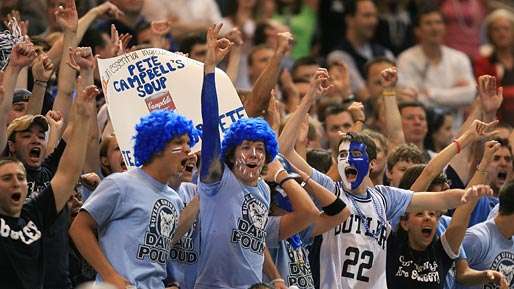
(217, 49)
(235, 36)
(119, 43)
(42, 67)
(273, 116)
(356, 110)
(479, 129)
(341, 79)
(109, 9)
(67, 16)
(84, 101)
(319, 84)
(389, 78)
(491, 98)
(81, 58)
(273, 170)
(55, 119)
(490, 148)
(475, 192)
(22, 54)
(15, 16)
(284, 43)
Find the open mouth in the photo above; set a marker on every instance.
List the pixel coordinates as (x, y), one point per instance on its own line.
(350, 173)
(252, 166)
(190, 168)
(16, 197)
(35, 152)
(426, 232)
(123, 165)
(502, 175)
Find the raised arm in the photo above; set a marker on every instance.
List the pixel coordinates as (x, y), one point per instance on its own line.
(42, 70)
(455, 232)
(440, 201)
(234, 57)
(22, 55)
(73, 158)
(393, 118)
(211, 168)
(436, 165)
(304, 211)
(261, 92)
(356, 109)
(67, 18)
(287, 139)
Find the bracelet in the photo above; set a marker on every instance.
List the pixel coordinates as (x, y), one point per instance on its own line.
(285, 180)
(389, 92)
(277, 280)
(482, 171)
(40, 82)
(278, 172)
(357, 120)
(457, 144)
(335, 208)
(306, 182)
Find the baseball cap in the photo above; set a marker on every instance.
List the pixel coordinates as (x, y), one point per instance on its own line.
(24, 122)
(21, 95)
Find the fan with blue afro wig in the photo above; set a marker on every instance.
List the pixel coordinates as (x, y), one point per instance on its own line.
(252, 129)
(156, 130)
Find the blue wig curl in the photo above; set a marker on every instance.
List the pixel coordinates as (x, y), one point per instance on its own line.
(252, 129)
(156, 130)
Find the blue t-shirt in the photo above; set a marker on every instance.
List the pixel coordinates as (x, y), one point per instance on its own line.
(185, 253)
(136, 217)
(293, 265)
(233, 218)
(487, 249)
(444, 222)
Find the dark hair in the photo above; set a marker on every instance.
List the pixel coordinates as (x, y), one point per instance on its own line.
(331, 109)
(294, 8)
(92, 38)
(254, 50)
(412, 174)
(375, 135)
(376, 60)
(435, 120)
(319, 159)
(506, 197)
(261, 286)
(406, 152)
(427, 7)
(404, 104)
(504, 143)
(350, 7)
(371, 147)
(190, 41)
(259, 36)
(302, 61)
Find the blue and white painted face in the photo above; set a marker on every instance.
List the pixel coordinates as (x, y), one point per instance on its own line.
(352, 163)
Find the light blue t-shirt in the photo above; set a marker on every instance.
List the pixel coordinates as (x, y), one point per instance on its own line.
(444, 222)
(293, 265)
(487, 249)
(136, 217)
(233, 218)
(185, 253)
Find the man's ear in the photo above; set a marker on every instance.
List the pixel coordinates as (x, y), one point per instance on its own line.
(10, 145)
(372, 165)
(403, 223)
(105, 162)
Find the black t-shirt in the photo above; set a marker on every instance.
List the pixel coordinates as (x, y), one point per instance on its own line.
(21, 246)
(408, 268)
(39, 178)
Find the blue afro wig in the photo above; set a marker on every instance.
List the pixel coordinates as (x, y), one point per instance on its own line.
(252, 129)
(156, 130)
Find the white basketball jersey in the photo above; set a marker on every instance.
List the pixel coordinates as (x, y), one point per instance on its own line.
(350, 256)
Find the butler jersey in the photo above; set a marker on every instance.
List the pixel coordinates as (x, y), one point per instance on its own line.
(353, 254)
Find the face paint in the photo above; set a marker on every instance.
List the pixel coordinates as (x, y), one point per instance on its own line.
(352, 160)
(249, 162)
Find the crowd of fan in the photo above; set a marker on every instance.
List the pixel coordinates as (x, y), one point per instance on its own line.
(419, 94)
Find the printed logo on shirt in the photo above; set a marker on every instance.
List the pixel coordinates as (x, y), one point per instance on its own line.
(34, 188)
(503, 263)
(157, 242)
(424, 273)
(354, 225)
(250, 232)
(299, 269)
(28, 235)
(183, 251)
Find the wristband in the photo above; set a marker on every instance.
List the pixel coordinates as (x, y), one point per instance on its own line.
(306, 182)
(285, 180)
(277, 280)
(335, 208)
(482, 171)
(389, 92)
(276, 174)
(457, 144)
